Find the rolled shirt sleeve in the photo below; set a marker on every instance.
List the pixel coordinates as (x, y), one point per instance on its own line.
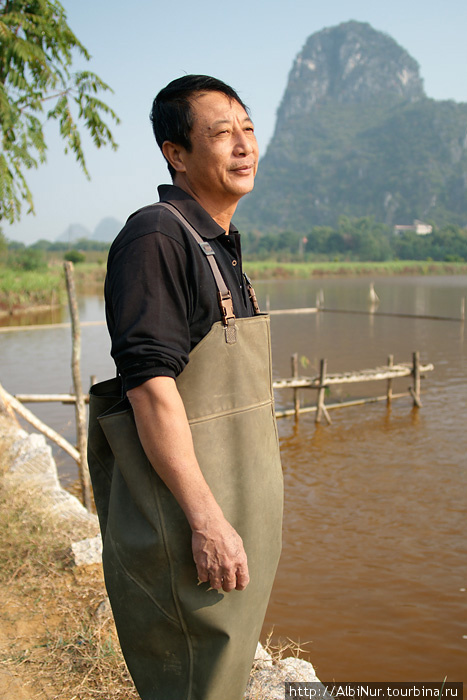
(147, 283)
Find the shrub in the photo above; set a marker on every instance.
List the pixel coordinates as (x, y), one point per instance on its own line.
(26, 259)
(74, 256)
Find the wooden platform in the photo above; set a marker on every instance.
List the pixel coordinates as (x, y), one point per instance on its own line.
(323, 381)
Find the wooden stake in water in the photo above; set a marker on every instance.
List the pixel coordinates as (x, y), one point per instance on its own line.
(321, 408)
(415, 390)
(389, 385)
(296, 397)
(81, 432)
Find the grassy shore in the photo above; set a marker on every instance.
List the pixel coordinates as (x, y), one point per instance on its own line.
(269, 269)
(20, 290)
(24, 289)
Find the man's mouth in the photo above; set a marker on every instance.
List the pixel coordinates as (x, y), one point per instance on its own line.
(244, 167)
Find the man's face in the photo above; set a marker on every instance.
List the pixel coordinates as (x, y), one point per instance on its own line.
(222, 164)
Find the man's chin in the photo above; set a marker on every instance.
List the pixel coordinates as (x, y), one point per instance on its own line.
(245, 187)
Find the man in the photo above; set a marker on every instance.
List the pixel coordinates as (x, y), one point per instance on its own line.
(191, 526)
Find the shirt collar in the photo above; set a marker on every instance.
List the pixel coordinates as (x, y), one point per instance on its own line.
(193, 211)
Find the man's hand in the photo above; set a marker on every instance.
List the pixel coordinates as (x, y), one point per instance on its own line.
(220, 557)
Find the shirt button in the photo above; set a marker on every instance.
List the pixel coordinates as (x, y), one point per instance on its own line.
(234, 262)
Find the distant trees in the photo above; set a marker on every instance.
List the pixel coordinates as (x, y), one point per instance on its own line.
(18, 256)
(360, 239)
(28, 259)
(37, 48)
(81, 244)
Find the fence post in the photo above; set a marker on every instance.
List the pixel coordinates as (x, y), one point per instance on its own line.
(389, 390)
(321, 408)
(415, 390)
(296, 397)
(81, 432)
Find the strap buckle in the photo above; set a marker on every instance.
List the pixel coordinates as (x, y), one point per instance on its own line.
(227, 310)
(206, 248)
(228, 317)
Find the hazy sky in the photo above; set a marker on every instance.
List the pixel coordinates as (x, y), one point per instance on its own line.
(138, 47)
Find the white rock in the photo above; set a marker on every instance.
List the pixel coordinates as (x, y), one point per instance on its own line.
(268, 682)
(88, 551)
(263, 658)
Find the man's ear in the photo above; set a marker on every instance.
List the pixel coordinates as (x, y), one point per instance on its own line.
(174, 155)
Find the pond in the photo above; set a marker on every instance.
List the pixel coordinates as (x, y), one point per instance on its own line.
(373, 571)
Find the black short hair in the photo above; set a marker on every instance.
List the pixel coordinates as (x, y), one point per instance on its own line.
(171, 113)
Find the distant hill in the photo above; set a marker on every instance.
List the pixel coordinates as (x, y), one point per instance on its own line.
(356, 135)
(107, 229)
(73, 233)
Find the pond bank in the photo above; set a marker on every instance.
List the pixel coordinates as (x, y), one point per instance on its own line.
(30, 292)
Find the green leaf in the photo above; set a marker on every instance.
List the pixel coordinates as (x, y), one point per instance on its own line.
(37, 48)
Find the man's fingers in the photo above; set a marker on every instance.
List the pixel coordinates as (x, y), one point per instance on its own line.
(203, 573)
(229, 583)
(216, 582)
(243, 579)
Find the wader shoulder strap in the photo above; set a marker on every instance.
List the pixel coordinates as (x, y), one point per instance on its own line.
(223, 293)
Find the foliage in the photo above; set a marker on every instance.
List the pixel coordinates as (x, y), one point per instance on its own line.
(3, 246)
(26, 259)
(80, 244)
(36, 54)
(360, 239)
(268, 269)
(75, 256)
(24, 288)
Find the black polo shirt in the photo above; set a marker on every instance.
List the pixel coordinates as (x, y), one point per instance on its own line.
(160, 293)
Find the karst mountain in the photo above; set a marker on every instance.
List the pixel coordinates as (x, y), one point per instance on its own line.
(356, 135)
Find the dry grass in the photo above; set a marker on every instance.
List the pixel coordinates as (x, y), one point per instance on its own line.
(58, 635)
(284, 648)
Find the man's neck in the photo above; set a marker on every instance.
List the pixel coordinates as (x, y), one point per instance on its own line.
(222, 216)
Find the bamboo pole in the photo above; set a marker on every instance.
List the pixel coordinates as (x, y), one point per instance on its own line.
(76, 372)
(389, 391)
(390, 313)
(25, 413)
(415, 390)
(47, 326)
(321, 408)
(45, 398)
(305, 310)
(343, 404)
(296, 397)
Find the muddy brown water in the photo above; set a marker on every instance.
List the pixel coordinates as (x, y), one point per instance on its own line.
(373, 574)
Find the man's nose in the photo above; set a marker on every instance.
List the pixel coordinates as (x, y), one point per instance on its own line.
(245, 143)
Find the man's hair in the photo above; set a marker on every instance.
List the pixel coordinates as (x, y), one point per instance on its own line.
(172, 114)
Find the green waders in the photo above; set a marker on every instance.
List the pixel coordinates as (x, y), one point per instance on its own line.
(182, 640)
